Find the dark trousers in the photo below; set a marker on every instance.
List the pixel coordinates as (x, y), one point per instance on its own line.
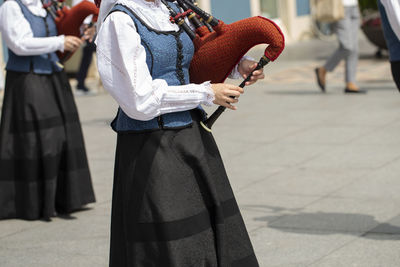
(396, 72)
(87, 55)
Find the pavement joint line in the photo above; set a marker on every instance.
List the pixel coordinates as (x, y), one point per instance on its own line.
(329, 195)
(21, 231)
(103, 202)
(289, 168)
(316, 200)
(377, 129)
(324, 231)
(371, 231)
(339, 146)
(320, 154)
(334, 250)
(364, 233)
(97, 237)
(307, 195)
(240, 189)
(280, 138)
(390, 162)
(310, 127)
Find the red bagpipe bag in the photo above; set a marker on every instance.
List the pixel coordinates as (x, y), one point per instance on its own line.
(69, 20)
(218, 52)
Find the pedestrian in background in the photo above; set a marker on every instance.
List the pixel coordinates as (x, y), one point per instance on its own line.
(43, 165)
(86, 59)
(390, 14)
(346, 30)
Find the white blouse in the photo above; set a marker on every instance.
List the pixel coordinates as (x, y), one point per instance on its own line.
(392, 8)
(17, 32)
(123, 69)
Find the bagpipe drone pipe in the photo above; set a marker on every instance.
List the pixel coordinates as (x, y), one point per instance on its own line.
(219, 47)
(69, 20)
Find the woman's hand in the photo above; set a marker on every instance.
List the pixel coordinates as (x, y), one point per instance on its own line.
(89, 33)
(223, 93)
(246, 67)
(71, 43)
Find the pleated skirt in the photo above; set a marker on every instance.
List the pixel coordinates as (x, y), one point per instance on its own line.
(173, 205)
(43, 163)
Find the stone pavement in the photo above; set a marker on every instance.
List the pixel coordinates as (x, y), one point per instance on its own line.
(317, 176)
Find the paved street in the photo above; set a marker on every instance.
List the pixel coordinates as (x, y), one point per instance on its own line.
(317, 176)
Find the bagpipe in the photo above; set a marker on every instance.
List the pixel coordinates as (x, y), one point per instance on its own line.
(219, 47)
(69, 20)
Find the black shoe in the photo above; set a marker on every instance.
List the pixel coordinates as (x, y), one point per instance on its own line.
(82, 88)
(319, 81)
(350, 91)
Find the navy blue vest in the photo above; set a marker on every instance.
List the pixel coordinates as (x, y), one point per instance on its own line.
(168, 57)
(41, 64)
(392, 41)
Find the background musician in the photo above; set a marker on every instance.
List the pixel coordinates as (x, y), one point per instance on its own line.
(43, 163)
(87, 54)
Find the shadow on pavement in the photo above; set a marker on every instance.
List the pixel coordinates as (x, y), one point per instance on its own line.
(328, 223)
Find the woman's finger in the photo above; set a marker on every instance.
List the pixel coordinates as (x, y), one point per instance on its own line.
(258, 72)
(227, 105)
(257, 77)
(232, 93)
(236, 89)
(230, 99)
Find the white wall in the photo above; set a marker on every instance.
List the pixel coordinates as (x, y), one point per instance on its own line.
(297, 28)
(255, 7)
(205, 5)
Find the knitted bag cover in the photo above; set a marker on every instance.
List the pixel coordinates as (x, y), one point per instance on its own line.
(69, 20)
(217, 53)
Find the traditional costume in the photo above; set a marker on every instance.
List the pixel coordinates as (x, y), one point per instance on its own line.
(43, 163)
(172, 201)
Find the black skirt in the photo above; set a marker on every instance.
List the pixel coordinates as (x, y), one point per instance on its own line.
(43, 163)
(173, 205)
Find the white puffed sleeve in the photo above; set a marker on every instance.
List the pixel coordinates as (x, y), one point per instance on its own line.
(125, 75)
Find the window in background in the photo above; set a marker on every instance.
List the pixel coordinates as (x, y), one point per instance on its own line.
(303, 7)
(269, 8)
(230, 10)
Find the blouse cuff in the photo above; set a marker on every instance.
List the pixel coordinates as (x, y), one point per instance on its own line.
(210, 97)
(61, 39)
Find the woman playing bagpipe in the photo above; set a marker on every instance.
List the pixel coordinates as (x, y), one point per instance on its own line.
(172, 201)
(43, 164)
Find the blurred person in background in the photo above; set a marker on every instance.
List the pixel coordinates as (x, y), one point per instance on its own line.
(87, 55)
(390, 14)
(346, 30)
(43, 165)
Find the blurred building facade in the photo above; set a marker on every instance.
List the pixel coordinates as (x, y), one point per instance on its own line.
(293, 16)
